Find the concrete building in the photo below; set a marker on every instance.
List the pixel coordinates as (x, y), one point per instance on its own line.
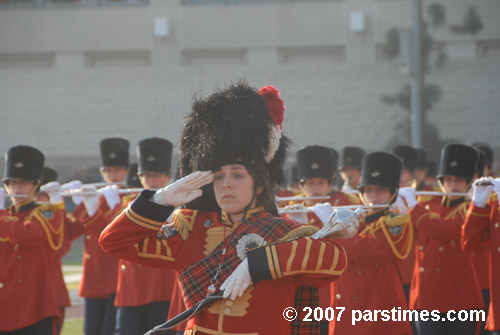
(73, 72)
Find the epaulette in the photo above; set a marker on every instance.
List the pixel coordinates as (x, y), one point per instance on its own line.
(52, 224)
(183, 221)
(392, 219)
(353, 198)
(424, 198)
(127, 199)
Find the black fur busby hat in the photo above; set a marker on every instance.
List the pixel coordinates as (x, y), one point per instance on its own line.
(316, 161)
(381, 169)
(487, 151)
(114, 152)
(154, 154)
(459, 160)
(133, 180)
(352, 157)
(431, 168)
(237, 124)
(48, 175)
(408, 155)
(421, 159)
(23, 162)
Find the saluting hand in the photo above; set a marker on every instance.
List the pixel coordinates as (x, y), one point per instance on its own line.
(183, 190)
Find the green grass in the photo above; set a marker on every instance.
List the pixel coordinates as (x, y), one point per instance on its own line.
(73, 327)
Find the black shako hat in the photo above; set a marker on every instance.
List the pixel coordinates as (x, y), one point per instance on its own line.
(48, 175)
(381, 169)
(154, 154)
(316, 161)
(23, 162)
(421, 159)
(487, 151)
(352, 157)
(408, 155)
(458, 160)
(133, 180)
(431, 168)
(237, 124)
(481, 161)
(114, 152)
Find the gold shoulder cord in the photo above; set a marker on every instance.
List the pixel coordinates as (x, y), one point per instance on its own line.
(48, 229)
(460, 210)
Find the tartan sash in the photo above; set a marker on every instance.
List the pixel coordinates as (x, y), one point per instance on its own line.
(195, 280)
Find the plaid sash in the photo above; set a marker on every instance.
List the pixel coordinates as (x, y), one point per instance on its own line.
(195, 280)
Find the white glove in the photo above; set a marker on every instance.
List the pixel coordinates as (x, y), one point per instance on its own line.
(73, 185)
(496, 186)
(91, 200)
(323, 211)
(53, 190)
(299, 216)
(481, 193)
(2, 198)
(183, 190)
(408, 193)
(111, 195)
(347, 189)
(399, 206)
(237, 282)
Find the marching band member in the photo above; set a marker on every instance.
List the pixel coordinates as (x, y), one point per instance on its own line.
(228, 237)
(371, 280)
(350, 170)
(30, 237)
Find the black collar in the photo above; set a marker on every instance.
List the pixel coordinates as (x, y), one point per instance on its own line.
(452, 203)
(24, 208)
(375, 216)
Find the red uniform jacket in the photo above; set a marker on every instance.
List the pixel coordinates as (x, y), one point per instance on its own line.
(139, 285)
(277, 269)
(441, 268)
(372, 280)
(29, 242)
(482, 230)
(100, 270)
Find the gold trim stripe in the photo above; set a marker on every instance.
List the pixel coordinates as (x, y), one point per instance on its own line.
(306, 253)
(276, 262)
(142, 221)
(292, 255)
(320, 256)
(270, 262)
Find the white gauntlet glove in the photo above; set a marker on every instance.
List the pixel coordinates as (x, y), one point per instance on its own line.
(399, 206)
(91, 200)
(73, 185)
(236, 284)
(481, 193)
(496, 186)
(111, 195)
(183, 190)
(323, 211)
(408, 193)
(297, 213)
(53, 190)
(2, 198)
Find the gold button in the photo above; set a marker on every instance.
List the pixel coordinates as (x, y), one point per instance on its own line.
(87, 256)
(427, 207)
(338, 296)
(123, 267)
(229, 303)
(20, 280)
(359, 272)
(376, 265)
(1, 285)
(139, 265)
(227, 310)
(354, 298)
(16, 246)
(88, 237)
(420, 247)
(421, 269)
(18, 257)
(453, 243)
(441, 249)
(498, 249)
(312, 220)
(497, 224)
(437, 269)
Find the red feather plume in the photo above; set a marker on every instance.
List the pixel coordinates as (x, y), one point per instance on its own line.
(274, 103)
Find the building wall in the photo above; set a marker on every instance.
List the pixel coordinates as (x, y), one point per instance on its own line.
(72, 76)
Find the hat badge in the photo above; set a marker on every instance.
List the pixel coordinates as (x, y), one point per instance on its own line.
(19, 164)
(314, 166)
(375, 173)
(151, 158)
(453, 164)
(112, 155)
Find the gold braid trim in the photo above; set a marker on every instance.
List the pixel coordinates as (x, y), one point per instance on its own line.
(4, 239)
(493, 197)
(424, 198)
(48, 227)
(306, 230)
(355, 200)
(431, 215)
(460, 210)
(184, 223)
(387, 221)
